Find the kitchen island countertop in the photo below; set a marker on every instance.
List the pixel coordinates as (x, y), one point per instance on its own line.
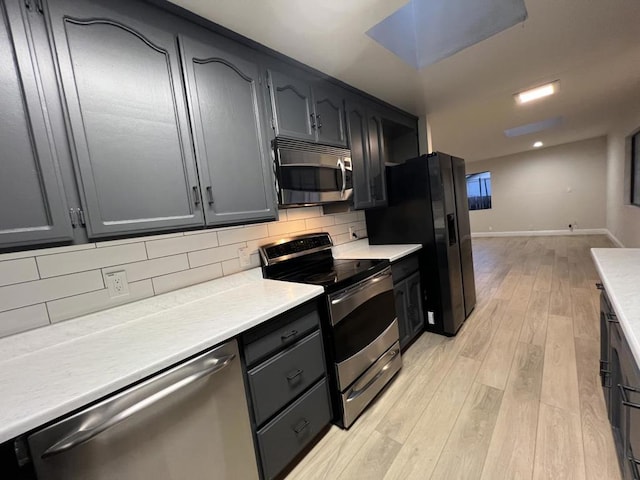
(49, 372)
(619, 270)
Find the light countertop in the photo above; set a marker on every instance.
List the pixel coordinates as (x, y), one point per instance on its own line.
(362, 249)
(619, 270)
(49, 372)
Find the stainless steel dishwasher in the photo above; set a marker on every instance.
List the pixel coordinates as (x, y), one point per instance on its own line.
(190, 421)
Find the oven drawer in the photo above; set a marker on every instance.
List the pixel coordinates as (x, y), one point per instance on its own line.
(277, 381)
(405, 267)
(286, 435)
(288, 329)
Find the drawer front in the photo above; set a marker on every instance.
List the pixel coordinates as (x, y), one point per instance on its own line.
(403, 268)
(284, 437)
(280, 379)
(280, 333)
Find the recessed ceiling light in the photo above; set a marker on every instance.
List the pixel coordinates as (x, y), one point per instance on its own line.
(538, 144)
(538, 92)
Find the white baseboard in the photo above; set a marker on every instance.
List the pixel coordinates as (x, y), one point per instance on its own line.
(547, 233)
(614, 239)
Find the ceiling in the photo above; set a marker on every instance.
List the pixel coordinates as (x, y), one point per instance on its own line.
(592, 47)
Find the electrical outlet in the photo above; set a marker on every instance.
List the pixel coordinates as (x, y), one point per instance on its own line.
(244, 256)
(117, 283)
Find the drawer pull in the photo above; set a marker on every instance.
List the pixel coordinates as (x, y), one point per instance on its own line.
(599, 286)
(625, 400)
(292, 376)
(301, 426)
(611, 317)
(288, 335)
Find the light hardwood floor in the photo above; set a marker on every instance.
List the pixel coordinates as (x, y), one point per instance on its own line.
(515, 395)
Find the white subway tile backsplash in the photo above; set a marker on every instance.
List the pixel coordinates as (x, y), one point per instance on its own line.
(319, 222)
(347, 217)
(283, 228)
(152, 268)
(237, 235)
(173, 281)
(70, 307)
(18, 271)
(302, 213)
(186, 243)
(39, 291)
(46, 251)
(214, 255)
(340, 239)
(22, 319)
(337, 229)
(124, 241)
(231, 266)
(70, 262)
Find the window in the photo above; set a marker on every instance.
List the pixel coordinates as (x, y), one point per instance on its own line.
(635, 169)
(479, 190)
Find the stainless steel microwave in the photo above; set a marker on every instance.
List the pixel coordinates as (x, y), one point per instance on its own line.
(311, 174)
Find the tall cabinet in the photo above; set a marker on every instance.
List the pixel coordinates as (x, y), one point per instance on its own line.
(129, 127)
(33, 208)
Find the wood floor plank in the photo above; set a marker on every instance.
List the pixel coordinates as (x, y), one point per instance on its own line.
(373, 460)
(487, 323)
(559, 451)
(534, 328)
(497, 364)
(421, 450)
(600, 457)
(560, 379)
(543, 278)
(512, 448)
(465, 451)
(585, 315)
(589, 386)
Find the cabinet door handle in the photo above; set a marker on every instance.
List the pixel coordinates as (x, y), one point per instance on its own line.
(294, 375)
(210, 195)
(625, 400)
(301, 426)
(288, 335)
(611, 317)
(319, 121)
(313, 120)
(196, 196)
(599, 286)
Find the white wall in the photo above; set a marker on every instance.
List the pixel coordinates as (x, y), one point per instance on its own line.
(41, 287)
(623, 220)
(545, 189)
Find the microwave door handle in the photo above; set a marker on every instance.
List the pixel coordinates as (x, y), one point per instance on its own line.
(107, 419)
(344, 177)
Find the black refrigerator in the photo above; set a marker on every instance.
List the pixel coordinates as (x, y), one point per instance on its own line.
(428, 205)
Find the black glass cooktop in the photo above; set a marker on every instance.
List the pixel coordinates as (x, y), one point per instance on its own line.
(334, 274)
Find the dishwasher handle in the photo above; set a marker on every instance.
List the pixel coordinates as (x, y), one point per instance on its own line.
(122, 407)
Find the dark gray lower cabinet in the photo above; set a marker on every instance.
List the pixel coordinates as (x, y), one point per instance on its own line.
(621, 387)
(32, 204)
(225, 96)
(128, 121)
(408, 295)
(288, 390)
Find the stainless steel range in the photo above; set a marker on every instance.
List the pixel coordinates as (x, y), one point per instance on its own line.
(360, 328)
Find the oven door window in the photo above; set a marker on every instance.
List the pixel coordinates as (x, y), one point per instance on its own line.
(363, 325)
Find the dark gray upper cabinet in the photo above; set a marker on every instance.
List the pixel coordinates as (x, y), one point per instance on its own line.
(32, 203)
(292, 107)
(366, 140)
(127, 114)
(315, 114)
(232, 147)
(377, 160)
(329, 110)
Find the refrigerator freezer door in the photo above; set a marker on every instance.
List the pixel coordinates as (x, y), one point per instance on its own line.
(464, 234)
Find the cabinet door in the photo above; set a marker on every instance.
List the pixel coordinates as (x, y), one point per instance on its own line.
(415, 314)
(329, 110)
(123, 87)
(401, 296)
(292, 107)
(376, 148)
(32, 204)
(358, 131)
(232, 149)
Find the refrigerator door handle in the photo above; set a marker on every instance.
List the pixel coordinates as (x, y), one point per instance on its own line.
(451, 228)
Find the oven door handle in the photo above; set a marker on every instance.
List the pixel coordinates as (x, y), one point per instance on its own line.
(359, 288)
(357, 391)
